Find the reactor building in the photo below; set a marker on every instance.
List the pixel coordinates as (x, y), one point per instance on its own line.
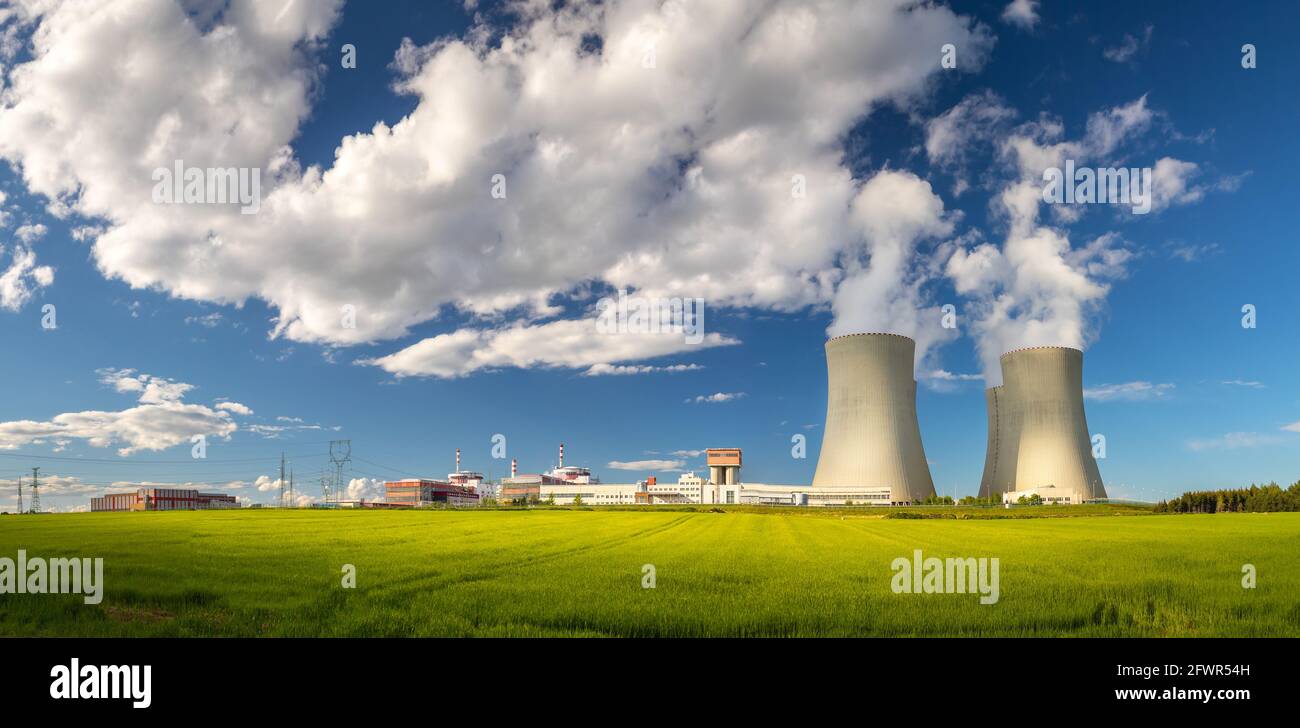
(871, 445)
(1038, 434)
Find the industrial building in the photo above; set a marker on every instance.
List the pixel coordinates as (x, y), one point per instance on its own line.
(724, 487)
(561, 483)
(1038, 434)
(1049, 495)
(163, 499)
(689, 489)
(417, 492)
(724, 465)
(572, 473)
(527, 486)
(592, 494)
(465, 478)
(872, 440)
(363, 504)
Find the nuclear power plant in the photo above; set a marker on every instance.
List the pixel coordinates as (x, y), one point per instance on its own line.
(1038, 434)
(871, 446)
(1039, 449)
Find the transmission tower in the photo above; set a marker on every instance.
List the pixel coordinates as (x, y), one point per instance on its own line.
(36, 490)
(324, 485)
(20, 494)
(291, 500)
(282, 479)
(340, 455)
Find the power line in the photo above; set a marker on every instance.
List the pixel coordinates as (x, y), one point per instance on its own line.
(387, 467)
(107, 461)
(200, 473)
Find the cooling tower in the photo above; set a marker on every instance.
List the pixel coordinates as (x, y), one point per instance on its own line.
(991, 450)
(1037, 418)
(871, 436)
(1004, 439)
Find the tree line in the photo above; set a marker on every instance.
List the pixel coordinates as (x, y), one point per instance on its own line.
(1255, 499)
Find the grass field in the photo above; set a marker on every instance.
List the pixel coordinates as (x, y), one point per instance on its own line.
(746, 573)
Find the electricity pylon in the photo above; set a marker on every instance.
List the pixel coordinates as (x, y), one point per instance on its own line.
(340, 455)
(36, 490)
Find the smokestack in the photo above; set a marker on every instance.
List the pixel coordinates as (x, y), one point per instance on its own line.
(1041, 428)
(458, 460)
(514, 467)
(561, 454)
(872, 437)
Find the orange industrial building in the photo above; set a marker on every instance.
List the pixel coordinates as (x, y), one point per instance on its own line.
(163, 499)
(724, 465)
(425, 492)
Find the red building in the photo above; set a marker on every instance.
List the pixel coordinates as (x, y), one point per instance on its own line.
(163, 499)
(423, 492)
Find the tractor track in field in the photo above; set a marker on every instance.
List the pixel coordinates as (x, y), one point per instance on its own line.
(440, 581)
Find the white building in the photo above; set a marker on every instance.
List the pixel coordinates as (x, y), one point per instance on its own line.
(1050, 494)
(691, 489)
(592, 494)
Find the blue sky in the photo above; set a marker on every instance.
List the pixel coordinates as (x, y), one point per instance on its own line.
(1186, 397)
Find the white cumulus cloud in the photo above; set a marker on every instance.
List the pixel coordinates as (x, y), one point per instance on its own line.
(651, 465)
(716, 397)
(1023, 13)
(1128, 391)
(571, 343)
(669, 178)
(160, 419)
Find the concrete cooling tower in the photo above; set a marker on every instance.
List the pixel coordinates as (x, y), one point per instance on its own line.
(1038, 434)
(871, 438)
(1004, 432)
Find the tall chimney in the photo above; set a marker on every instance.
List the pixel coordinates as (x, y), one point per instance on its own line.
(514, 467)
(458, 460)
(561, 454)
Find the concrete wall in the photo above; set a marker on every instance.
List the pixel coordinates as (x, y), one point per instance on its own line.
(872, 437)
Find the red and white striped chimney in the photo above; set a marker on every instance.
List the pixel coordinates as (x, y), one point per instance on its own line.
(561, 454)
(514, 467)
(458, 460)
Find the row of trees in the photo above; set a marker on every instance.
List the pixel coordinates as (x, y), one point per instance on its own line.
(974, 500)
(935, 500)
(969, 500)
(1255, 499)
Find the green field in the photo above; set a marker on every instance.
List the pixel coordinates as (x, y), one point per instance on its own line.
(579, 572)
